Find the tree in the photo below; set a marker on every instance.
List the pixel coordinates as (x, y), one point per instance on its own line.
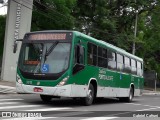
(52, 14)
(2, 32)
(114, 22)
(111, 21)
(150, 50)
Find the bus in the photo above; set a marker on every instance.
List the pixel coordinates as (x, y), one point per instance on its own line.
(63, 63)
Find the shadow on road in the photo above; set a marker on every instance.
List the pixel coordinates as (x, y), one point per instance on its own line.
(69, 102)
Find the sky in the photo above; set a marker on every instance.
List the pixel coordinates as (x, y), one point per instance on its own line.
(3, 9)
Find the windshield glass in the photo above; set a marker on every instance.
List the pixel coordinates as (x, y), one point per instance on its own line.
(44, 57)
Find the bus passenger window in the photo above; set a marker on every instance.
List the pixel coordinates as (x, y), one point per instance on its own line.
(102, 57)
(111, 60)
(92, 54)
(127, 63)
(133, 67)
(120, 62)
(139, 69)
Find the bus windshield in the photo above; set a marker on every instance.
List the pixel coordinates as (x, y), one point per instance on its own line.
(44, 57)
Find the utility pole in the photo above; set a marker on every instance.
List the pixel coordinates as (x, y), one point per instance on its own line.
(155, 83)
(135, 33)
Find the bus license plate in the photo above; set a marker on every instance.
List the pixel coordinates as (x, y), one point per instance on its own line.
(38, 89)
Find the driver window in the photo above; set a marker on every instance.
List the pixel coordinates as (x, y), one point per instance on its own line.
(79, 55)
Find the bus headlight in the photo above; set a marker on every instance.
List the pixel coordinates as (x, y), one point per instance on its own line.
(19, 79)
(63, 81)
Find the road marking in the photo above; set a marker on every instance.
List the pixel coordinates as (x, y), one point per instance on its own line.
(100, 118)
(4, 103)
(151, 106)
(3, 86)
(49, 109)
(148, 109)
(143, 105)
(10, 107)
(133, 103)
(1, 100)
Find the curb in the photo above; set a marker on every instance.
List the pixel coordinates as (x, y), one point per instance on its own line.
(7, 89)
(151, 93)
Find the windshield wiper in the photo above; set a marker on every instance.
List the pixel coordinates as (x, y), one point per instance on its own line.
(51, 48)
(48, 52)
(44, 54)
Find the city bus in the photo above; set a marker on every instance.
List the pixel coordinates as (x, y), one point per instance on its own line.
(61, 63)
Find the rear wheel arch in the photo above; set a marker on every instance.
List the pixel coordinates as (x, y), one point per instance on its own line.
(91, 92)
(93, 81)
(132, 87)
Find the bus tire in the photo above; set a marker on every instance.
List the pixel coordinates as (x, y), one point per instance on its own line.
(131, 95)
(129, 98)
(45, 98)
(90, 97)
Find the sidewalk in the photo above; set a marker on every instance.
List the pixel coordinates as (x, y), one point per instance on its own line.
(151, 92)
(7, 87)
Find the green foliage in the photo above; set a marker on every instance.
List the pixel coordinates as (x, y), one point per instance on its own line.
(52, 14)
(110, 20)
(149, 33)
(2, 32)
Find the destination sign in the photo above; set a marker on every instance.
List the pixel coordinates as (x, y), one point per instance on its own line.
(47, 36)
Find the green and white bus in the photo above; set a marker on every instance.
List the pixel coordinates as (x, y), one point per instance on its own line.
(71, 64)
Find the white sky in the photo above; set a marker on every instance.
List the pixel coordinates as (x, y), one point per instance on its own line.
(3, 9)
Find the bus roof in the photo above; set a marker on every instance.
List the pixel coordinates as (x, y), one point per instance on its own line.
(96, 41)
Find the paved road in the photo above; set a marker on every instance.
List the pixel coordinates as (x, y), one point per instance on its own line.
(65, 108)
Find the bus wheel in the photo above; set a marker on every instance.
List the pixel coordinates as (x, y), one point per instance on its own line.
(129, 98)
(45, 98)
(131, 95)
(90, 96)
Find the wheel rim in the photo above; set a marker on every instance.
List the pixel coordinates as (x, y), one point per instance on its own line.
(131, 95)
(90, 95)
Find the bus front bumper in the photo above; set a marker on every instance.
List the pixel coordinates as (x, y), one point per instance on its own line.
(70, 90)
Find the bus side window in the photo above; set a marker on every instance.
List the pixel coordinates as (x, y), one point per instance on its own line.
(92, 54)
(78, 59)
(79, 55)
(111, 60)
(127, 64)
(133, 67)
(139, 69)
(120, 62)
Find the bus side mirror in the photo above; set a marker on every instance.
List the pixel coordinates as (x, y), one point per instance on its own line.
(15, 45)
